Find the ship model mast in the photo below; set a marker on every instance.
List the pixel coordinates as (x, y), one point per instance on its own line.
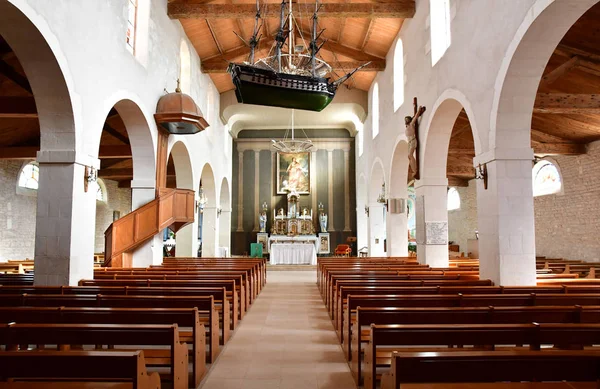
(292, 80)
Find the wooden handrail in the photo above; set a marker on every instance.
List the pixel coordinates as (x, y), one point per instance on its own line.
(172, 208)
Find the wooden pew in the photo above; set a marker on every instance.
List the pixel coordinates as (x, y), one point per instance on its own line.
(191, 330)
(220, 297)
(205, 305)
(491, 366)
(75, 369)
(233, 286)
(11, 268)
(459, 315)
(385, 339)
(62, 336)
(16, 279)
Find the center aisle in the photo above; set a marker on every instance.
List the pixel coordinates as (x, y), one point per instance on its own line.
(286, 341)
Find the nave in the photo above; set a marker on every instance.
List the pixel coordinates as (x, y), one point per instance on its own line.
(286, 341)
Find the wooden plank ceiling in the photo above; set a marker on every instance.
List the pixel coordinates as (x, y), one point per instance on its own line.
(567, 110)
(356, 31)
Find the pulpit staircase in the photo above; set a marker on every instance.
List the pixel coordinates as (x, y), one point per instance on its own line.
(172, 208)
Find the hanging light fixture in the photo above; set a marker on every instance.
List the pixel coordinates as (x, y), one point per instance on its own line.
(292, 145)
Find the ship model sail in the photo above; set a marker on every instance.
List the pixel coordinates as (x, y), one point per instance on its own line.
(292, 80)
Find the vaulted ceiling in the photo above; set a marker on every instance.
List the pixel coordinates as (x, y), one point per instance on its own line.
(356, 31)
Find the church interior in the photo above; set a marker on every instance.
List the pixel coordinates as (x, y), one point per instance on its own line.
(320, 194)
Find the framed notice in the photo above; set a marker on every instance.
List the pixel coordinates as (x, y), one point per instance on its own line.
(324, 247)
(293, 173)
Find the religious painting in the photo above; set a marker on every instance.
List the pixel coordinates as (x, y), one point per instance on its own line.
(263, 238)
(293, 173)
(324, 244)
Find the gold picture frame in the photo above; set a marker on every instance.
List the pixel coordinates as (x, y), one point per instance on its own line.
(293, 172)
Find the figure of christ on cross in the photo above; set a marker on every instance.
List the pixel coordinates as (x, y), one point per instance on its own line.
(412, 135)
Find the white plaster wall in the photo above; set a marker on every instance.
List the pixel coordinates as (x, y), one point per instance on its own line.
(117, 199)
(567, 224)
(17, 215)
(462, 223)
(89, 39)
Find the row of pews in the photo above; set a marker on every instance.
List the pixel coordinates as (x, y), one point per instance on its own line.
(134, 327)
(400, 322)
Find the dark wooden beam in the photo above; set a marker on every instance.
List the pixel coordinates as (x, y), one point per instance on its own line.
(107, 152)
(560, 71)
(30, 152)
(214, 36)
(367, 34)
(375, 66)
(460, 170)
(566, 103)
(457, 181)
(115, 134)
(17, 107)
(355, 54)
(542, 137)
(123, 173)
(461, 151)
(558, 148)
(16, 77)
(398, 9)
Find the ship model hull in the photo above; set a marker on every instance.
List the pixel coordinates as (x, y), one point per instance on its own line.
(264, 87)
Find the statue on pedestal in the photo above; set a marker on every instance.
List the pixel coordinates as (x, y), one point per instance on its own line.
(262, 221)
(322, 218)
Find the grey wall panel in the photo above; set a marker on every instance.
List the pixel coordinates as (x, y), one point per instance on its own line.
(322, 183)
(234, 190)
(339, 190)
(249, 184)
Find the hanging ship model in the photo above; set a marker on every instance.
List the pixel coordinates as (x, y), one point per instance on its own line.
(293, 80)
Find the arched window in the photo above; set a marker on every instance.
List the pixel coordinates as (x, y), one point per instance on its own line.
(546, 179)
(453, 199)
(375, 108)
(398, 75)
(439, 12)
(185, 69)
(101, 191)
(30, 176)
(132, 10)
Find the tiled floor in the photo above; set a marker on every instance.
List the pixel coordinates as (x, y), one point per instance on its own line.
(286, 341)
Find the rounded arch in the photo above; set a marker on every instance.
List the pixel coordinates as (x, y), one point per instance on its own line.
(377, 212)
(225, 217)
(184, 170)
(438, 130)
(140, 134)
(101, 192)
(44, 66)
(208, 219)
(545, 24)
(547, 177)
(377, 178)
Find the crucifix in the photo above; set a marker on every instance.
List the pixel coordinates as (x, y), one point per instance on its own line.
(412, 135)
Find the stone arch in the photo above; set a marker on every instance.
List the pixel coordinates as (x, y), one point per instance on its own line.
(225, 217)
(45, 67)
(185, 241)
(435, 138)
(209, 215)
(377, 212)
(521, 71)
(397, 223)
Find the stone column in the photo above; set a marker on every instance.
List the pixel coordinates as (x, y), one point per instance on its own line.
(225, 230)
(432, 221)
(347, 191)
(376, 229)
(65, 220)
(313, 183)
(330, 218)
(151, 252)
(273, 187)
(240, 224)
(505, 218)
(256, 189)
(209, 228)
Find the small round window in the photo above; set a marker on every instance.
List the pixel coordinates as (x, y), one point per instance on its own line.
(546, 179)
(453, 199)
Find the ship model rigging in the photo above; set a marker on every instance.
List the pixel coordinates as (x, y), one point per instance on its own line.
(293, 80)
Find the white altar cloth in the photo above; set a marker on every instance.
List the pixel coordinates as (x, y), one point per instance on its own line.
(293, 254)
(294, 239)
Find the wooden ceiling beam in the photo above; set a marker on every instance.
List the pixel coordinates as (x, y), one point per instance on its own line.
(558, 148)
(399, 9)
(460, 131)
(461, 151)
(30, 152)
(560, 71)
(17, 107)
(123, 173)
(567, 103)
(367, 35)
(355, 54)
(214, 36)
(115, 134)
(542, 137)
(214, 67)
(460, 170)
(457, 181)
(16, 77)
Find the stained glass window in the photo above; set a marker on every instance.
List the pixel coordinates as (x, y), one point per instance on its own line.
(375, 107)
(30, 176)
(131, 25)
(440, 28)
(546, 179)
(453, 199)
